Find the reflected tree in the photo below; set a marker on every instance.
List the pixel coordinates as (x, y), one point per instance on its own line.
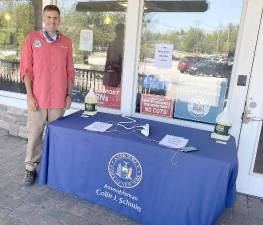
(24, 22)
(73, 22)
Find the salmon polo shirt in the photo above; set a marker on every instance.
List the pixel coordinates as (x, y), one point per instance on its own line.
(50, 67)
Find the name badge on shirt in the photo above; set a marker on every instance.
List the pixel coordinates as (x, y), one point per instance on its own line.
(37, 43)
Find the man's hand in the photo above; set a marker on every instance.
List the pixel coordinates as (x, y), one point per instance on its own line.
(67, 102)
(32, 103)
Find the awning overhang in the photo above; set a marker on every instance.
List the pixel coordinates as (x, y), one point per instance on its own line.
(149, 6)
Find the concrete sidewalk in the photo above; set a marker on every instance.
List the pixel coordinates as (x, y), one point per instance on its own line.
(40, 205)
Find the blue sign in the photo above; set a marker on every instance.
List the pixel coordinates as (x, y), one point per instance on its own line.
(198, 109)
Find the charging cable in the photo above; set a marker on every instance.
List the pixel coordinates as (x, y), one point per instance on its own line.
(174, 159)
(145, 129)
(122, 123)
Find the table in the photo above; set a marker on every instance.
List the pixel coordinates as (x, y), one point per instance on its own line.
(135, 176)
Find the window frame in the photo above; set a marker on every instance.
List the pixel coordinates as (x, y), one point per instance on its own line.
(133, 35)
(133, 32)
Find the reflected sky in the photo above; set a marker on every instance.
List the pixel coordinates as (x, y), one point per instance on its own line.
(219, 14)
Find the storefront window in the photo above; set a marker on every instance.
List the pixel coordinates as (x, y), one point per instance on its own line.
(97, 32)
(186, 58)
(17, 18)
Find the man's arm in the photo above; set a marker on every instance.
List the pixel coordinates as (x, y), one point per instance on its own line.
(70, 76)
(68, 97)
(31, 100)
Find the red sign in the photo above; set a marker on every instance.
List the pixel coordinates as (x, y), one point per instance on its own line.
(109, 97)
(156, 105)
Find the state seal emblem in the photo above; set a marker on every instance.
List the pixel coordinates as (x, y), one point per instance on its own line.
(198, 107)
(125, 170)
(37, 43)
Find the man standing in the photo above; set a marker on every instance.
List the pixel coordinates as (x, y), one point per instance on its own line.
(113, 67)
(46, 66)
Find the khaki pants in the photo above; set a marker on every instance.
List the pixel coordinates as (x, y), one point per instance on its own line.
(36, 122)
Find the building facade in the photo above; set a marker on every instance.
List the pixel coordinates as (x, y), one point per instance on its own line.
(171, 61)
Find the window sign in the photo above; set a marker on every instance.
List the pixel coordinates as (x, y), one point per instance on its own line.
(156, 105)
(109, 97)
(96, 29)
(86, 40)
(163, 55)
(186, 55)
(200, 101)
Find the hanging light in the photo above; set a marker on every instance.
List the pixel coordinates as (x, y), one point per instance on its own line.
(7, 16)
(107, 20)
(123, 4)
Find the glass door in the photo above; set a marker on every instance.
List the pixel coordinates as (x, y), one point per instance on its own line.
(186, 59)
(250, 145)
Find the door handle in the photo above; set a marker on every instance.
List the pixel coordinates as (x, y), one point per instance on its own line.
(247, 117)
(254, 118)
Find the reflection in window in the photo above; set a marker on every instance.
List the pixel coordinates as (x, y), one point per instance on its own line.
(97, 33)
(17, 19)
(113, 66)
(186, 61)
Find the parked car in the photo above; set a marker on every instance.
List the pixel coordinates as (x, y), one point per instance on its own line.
(185, 63)
(183, 66)
(209, 68)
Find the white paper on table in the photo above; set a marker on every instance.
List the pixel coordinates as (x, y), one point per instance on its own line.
(98, 126)
(173, 141)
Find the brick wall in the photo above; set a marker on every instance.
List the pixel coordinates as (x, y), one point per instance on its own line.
(14, 120)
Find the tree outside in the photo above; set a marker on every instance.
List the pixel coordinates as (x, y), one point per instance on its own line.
(193, 40)
(25, 25)
(73, 22)
(16, 21)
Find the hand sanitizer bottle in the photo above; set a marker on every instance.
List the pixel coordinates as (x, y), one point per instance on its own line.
(223, 125)
(90, 103)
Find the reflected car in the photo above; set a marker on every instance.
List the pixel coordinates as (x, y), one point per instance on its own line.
(188, 61)
(211, 69)
(183, 65)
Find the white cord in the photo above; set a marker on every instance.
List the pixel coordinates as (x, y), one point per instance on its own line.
(115, 129)
(174, 159)
(147, 139)
(122, 123)
(129, 128)
(131, 120)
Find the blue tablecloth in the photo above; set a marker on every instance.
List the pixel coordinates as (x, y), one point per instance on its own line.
(135, 176)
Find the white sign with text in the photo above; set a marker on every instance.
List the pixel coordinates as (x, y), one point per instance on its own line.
(86, 40)
(163, 55)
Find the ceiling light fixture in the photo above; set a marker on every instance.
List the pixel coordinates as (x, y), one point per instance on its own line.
(124, 4)
(7, 16)
(107, 20)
